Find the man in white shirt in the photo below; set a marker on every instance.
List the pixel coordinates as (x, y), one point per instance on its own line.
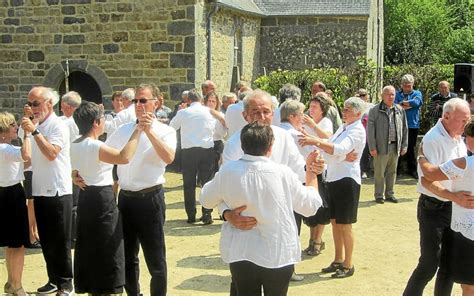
(233, 116)
(52, 187)
(141, 200)
(443, 142)
(197, 129)
(69, 103)
(207, 87)
(126, 115)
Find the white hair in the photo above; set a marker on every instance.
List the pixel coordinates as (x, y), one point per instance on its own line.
(356, 104)
(72, 98)
(257, 93)
(453, 104)
(128, 94)
(408, 78)
(48, 93)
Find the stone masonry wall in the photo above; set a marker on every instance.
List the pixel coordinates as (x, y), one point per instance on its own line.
(125, 42)
(286, 41)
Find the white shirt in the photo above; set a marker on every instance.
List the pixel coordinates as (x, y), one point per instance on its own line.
(146, 169)
(52, 177)
(73, 129)
(325, 124)
(234, 119)
(85, 159)
(197, 126)
(462, 219)
(346, 139)
(276, 117)
(12, 165)
(271, 193)
(125, 116)
(220, 131)
(439, 147)
(304, 150)
(284, 151)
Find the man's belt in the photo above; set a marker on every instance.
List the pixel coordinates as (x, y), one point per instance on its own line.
(142, 192)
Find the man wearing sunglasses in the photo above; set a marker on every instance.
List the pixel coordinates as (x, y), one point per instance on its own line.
(52, 190)
(141, 199)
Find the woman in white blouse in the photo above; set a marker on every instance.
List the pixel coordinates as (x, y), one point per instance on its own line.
(99, 257)
(212, 101)
(343, 183)
(319, 125)
(14, 234)
(457, 253)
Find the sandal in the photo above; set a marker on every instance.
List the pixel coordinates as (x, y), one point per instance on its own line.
(316, 248)
(7, 289)
(333, 267)
(343, 272)
(310, 245)
(35, 245)
(19, 292)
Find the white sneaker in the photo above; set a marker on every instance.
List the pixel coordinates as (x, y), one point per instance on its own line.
(364, 175)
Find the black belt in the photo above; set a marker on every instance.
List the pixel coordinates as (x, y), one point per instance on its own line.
(392, 142)
(141, 193)
(435, 201)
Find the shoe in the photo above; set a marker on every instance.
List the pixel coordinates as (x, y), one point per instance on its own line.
(65, 292)
(7, 289)
(414, 174)
(379, 200)
(207, 219)
(296, 277)
(343, 272)
(364, 175)
(332, 267)
(392, 199)
(47, 289)
(35, 245)
(191, 220)
(19, 292)
(316, 248)
(310, 245)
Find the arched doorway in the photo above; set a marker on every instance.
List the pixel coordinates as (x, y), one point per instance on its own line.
(84, 84)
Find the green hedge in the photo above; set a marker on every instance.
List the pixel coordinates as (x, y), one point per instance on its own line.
(344, 82)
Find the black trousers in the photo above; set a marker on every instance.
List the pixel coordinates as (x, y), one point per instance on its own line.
(75, 200)
(53, 217)
(410, 156)
(365, 160)
(197, 164)
(143, 217)
(434, 218)
(249, 279)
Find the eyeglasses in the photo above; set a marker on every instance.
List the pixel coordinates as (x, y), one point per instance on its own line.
(35, 103)
(13, 124)
(141, 101)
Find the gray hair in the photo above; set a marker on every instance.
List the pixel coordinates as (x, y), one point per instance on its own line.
(453, 104)
(128, 94)
(289, 91)
(194, 95)
(408, 78)
(48, 93)
(227, 96)
(72, 99)
(184, 93)
(257, 93)
(387, 87)
(290, 107)
(356, 104)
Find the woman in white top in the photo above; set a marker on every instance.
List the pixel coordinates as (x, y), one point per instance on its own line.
(317, 124)
(212, 101)
(14, 234)
(343, 183)
(263, 256)
(99, 266)
(457, 253)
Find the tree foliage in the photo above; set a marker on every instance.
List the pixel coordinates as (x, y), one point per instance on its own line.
(428, 31)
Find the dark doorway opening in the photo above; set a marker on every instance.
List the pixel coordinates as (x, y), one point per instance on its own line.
(84, 84)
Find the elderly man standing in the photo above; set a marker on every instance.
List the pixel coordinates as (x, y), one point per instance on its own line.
(387, 138)
(197, 129)
(227, 100)
(141, 200)
(443, 142)
(52, 189)
(435, 108)
(410, 100)
(207, 87)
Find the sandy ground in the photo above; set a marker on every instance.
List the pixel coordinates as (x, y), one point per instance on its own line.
(386, 251)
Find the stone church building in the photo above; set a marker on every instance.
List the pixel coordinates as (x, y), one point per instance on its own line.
(107, 45)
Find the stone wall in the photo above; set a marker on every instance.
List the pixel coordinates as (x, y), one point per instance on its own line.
(119, 43)
(305, 42)
(224, 24)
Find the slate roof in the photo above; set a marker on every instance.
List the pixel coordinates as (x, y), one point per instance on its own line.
(301, 7)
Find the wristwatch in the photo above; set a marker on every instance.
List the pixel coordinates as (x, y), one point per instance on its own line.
(35, 132)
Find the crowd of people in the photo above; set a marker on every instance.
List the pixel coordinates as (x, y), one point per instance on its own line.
(265, 163)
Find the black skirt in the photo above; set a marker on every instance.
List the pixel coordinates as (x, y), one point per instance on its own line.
(99, 262)
(14, 229)
(322, 215)
(457, 257)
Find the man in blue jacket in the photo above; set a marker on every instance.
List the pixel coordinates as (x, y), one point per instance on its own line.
(410, 100)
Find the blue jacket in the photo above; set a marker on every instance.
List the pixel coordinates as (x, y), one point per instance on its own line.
(415, 99)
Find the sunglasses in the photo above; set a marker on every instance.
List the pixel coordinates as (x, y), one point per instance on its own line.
(35, 103)
(141, 101)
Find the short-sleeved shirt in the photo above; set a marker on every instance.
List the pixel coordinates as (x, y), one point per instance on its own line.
(146, 169)
(85, 159)
(52, 178)
(12, 165)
